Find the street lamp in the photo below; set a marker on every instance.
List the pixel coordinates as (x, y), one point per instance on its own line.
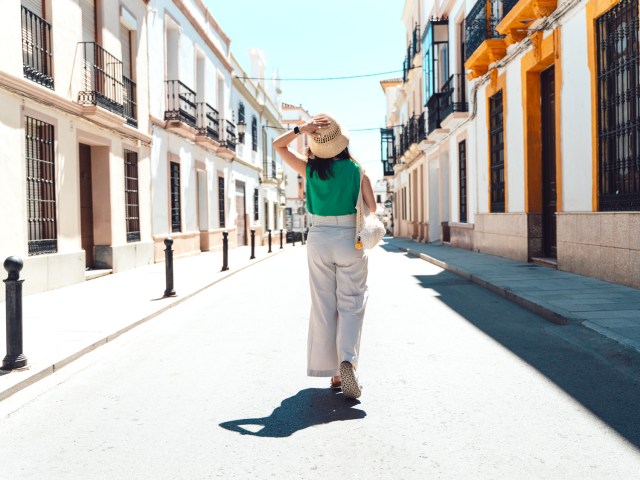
(242, 127)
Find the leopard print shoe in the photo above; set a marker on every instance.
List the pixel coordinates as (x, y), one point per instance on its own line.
(351, 388)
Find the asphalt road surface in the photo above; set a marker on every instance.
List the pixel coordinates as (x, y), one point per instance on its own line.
(458, 384)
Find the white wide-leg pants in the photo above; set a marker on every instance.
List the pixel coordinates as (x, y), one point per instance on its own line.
(338, 281)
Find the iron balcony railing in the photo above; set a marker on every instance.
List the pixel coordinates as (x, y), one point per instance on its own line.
(507, 5)
(412, 133)
(37, 54)
(387, 150)
(101, 79)
(181, 103)
(230, 136)
(208, 121)
(433, 112)
(481, 24)
(451, 98)
(412, 50)
(130, 102)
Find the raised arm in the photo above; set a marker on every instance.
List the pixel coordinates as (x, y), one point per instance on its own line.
(294, 159)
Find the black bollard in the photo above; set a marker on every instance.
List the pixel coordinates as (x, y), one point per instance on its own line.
(225, 251)
(280, 239)
(253, 245)
(13, 287)
(269, 234)
(303, 237)
(168, 267)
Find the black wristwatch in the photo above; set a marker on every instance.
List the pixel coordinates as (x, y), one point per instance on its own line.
(296, 130)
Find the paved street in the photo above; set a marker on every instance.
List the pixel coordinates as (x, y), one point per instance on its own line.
(459, 384)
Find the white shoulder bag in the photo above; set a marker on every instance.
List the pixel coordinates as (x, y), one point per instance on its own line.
(369, 228)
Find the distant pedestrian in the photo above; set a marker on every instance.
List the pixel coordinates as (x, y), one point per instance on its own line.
(337, 267)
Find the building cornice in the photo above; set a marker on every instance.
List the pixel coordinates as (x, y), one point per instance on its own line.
(204, 34)
(92, 114)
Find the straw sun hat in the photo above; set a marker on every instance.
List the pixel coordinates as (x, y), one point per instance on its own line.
(329, 141)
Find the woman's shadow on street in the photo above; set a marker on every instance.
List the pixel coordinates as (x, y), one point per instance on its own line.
(312, 406)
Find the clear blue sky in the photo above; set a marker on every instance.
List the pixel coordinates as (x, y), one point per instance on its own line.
(331, 38)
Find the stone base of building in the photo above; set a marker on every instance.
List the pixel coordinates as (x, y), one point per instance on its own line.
(48, 272)
(604, 245)
(510, 235)
(123, 257)
(461, 235)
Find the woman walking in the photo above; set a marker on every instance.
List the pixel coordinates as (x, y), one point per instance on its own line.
(337, 268)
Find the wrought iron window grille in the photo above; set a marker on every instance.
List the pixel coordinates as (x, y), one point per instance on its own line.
(37, 51)
(41, 187)
(176, 224)
(618, 73)
(462, 180)
(132, 204)
(221, 215)
(496, 136)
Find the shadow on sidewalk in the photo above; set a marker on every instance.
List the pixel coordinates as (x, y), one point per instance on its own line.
(603, 375)
(309, 407)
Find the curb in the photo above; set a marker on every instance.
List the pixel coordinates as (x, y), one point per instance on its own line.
(552, 315)
(48, 370)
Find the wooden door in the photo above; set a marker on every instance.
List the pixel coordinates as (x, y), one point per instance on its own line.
(86, 204)
(549, 194)
(241, 229)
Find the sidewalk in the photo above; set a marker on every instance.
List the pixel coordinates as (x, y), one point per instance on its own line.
(58, 328)
(610, 309)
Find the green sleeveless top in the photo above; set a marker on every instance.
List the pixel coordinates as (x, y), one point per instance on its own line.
(338, 194)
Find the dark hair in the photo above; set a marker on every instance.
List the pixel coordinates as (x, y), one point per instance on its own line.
(323, 166)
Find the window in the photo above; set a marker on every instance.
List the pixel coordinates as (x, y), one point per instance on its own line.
(436, 58)
(132, 206)
(254, 134)
(619, 108)
(241, 120)
(496, 133)
(175, 196)
(37, 54)
(41, 187)
(256, 199)
(221, 201)
(462, 178)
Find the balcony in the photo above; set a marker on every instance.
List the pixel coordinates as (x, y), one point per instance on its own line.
(130, 102)
(181, 104)
(208, 124)
(102, 79)
(387, 151)
(230, 136)
(412, 135)
(412, 50)
(227, 147)
(37, 54)
(484, 45)
(519, 14)
(447, 107)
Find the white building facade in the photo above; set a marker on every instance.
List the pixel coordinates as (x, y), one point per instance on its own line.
(110, 146)
(256, 168)
(530, 152)
(76, 151)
